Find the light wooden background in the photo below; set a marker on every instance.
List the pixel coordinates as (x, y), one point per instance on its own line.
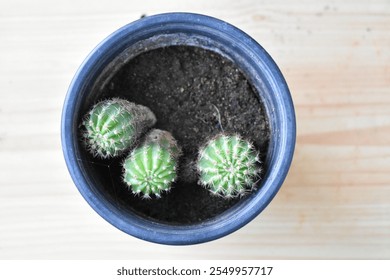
(335, 203)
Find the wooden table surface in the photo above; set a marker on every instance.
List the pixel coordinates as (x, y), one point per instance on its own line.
(335, 202)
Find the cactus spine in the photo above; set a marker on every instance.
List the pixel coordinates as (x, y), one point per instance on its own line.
(227, 165)
(150, 169)
(112, 126)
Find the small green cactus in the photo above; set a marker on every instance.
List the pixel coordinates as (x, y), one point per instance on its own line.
(112, 126)
(228, 165)
(151, 168)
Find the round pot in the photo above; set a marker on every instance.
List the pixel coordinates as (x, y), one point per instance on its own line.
(192, 30)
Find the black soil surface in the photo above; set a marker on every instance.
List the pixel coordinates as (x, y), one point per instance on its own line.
(195, 94)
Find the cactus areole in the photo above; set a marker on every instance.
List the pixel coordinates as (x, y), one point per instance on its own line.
(115, 173)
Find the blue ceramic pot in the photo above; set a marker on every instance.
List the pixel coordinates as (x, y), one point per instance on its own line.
(193, 30)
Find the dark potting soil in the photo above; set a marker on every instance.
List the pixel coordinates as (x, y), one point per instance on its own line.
(195, 94)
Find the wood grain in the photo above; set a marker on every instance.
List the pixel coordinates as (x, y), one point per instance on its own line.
(334, 204)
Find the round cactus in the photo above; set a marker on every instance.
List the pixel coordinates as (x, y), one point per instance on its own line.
(228, 165)
(112, 126)
(151, 168)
